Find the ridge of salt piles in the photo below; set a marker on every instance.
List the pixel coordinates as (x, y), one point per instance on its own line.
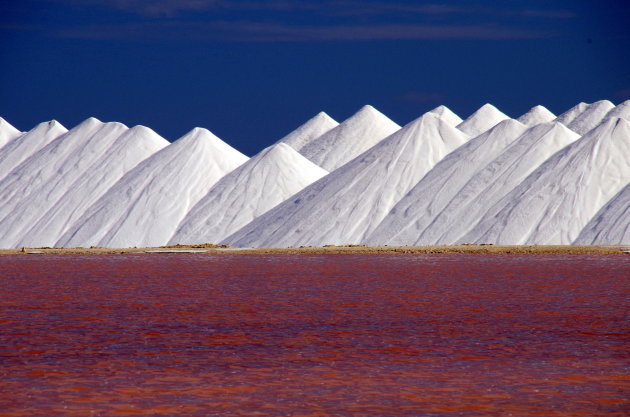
(439, 179)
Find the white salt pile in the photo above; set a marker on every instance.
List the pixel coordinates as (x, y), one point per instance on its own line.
(345, 205)
(309, 131)
(13, 153)
(570, 115)
(536, 115)
(408, 220)
(554, 203)
(261, 183)
(439, 179)
(129, 149)
(621, 110)
(353, 136)
(610, 225)
(44, 178)
(592, 115)
(497, 179)
(7, 132)
(447, 115)
(145, 206)
(486, 117)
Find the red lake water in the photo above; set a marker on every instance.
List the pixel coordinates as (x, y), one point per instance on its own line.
(321, 335)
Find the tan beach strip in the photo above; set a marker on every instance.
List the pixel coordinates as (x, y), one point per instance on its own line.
(332, 249)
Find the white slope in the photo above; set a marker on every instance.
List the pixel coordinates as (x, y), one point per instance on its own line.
(13, 153)
(570, 115)
(255, 187)
(554, 203)
(537, 115)
(611, 224)
(407, 221)
(33, 187)
(498, 178)
(622, 110)
(447, 115)
(312, 129)
(487, 186)
(145, 206)
(342, 207)
(129, 149)
(7, 132)
(355, 135)
(486, 117)
(591, 116)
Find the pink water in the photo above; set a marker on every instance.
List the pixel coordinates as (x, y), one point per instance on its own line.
(333, 335)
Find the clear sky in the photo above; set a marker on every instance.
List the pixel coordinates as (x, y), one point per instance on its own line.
(251, 71)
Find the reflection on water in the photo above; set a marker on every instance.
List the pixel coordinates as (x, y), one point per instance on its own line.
(329, 335)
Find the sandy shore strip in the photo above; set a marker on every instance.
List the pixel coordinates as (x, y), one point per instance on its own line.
(333, 249)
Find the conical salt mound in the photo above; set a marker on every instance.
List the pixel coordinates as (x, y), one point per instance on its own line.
(498, 178)
(570, 115)
(145, 206)
(591, 116)
(405, 224)
(129, 149)
(611, 224)
(345, 205)
(45, 164)
(7, 132)
(13, 153)
(355, 135)
(486, 117)
(255, 187)
(621, 110)
(447, 115)
(309, 131)
(44, 178)
(488, 185)
(536, 115)
(554, 203)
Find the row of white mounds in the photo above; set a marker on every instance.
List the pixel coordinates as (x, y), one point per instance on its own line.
(348, 203)
(537, 179)
(145, 206)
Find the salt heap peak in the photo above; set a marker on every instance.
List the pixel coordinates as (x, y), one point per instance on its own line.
(407, 222)
(537, 115)
(261, 183)
(621, 110)
(130, 148)
(499, 177)
(45, 164)
(342, 207)
(13, 153)
(145, 206)
(591, 116)
(486, 187)
(312, 129)
(7, 132)
(570, 115)
(47, 176)
(352, 137)
(486, 117)
(611, 224)
(447, 115)
(554, 203)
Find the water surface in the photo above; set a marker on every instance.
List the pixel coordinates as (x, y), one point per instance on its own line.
(321, 335)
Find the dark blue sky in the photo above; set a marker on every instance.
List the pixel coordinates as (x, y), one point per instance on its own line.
(251, 70)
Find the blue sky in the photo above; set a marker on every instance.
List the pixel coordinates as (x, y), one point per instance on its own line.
(253, 70)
